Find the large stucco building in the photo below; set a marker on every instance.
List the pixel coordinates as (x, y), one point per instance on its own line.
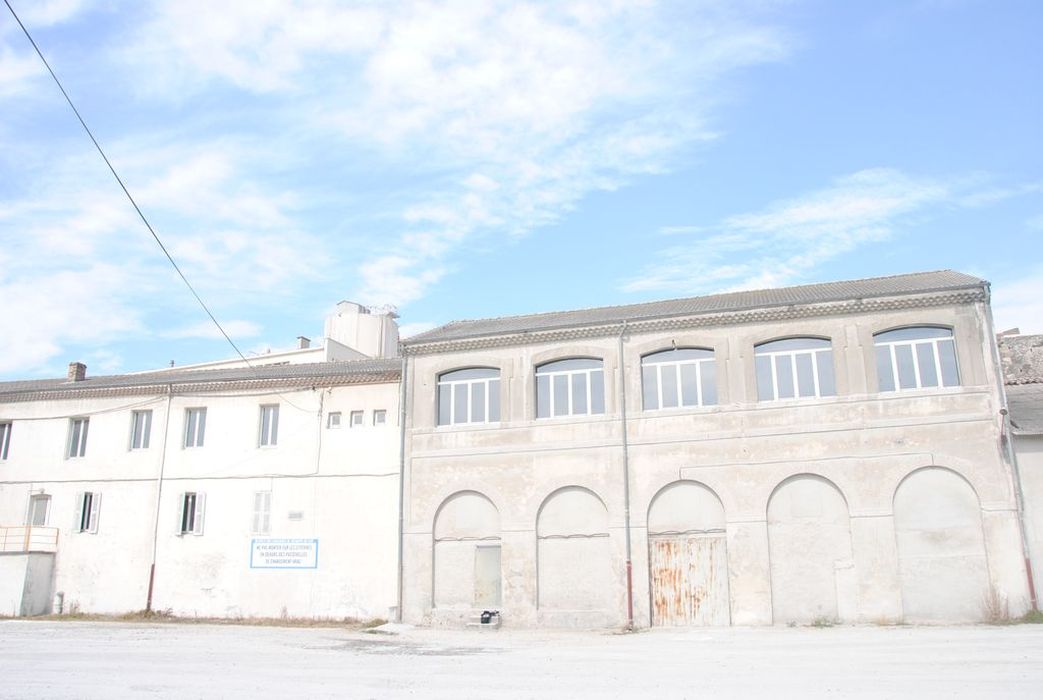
(827, 452)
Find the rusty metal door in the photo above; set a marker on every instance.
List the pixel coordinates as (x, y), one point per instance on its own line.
(689, 579)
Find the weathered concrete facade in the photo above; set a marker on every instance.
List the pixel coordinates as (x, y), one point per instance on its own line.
(830, 452)
(865, 506)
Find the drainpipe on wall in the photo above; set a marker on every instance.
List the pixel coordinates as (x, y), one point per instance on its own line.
(626, 479)
(401, 482)
(1007, 437)
(159, 495)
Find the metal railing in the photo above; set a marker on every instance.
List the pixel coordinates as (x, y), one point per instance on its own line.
(26, 538)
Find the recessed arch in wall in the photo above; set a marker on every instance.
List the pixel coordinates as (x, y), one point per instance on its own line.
(687, 557)
(942, 561)
(809, 546)
(573, 552)
(466, 552)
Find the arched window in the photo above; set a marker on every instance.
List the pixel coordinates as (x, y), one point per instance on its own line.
(573, 387)
(794, 368)
(915, 358)
(469, 396)
(678, 377)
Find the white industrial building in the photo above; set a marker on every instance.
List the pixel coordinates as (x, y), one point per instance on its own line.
(827, 452)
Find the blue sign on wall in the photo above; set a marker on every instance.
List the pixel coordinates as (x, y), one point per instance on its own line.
(284, 554)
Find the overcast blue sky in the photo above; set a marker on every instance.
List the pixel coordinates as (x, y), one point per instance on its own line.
(471, 159)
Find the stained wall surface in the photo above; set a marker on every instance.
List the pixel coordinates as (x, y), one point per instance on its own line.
(834, 543)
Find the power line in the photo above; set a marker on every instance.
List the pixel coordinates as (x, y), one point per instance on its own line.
(123, 186)
(131, 197)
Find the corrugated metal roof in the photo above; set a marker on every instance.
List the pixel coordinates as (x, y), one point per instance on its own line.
(897, 285)
(304, 371)
(1025, 402)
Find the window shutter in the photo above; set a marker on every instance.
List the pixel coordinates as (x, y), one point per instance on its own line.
(95, 512)
(79, 513)
(266, 512)
(197, 526)
(180, 513)
(258, 496)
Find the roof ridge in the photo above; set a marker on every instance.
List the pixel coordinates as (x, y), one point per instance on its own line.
(460, 322)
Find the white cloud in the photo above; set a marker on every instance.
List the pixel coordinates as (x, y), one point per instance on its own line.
(1018, 303)
(83, 269)
(523, 109)
(789, 239)
(45, 313)
(206, 329)
(407, 330)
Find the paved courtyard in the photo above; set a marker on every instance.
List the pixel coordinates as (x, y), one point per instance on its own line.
(47, 659)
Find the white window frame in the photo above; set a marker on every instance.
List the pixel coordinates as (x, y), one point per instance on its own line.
(380, 417)
(140, 429)
(5, 438)
(333, 420)
(675, 366)
(190, 512)
(453, 386)
(262, 514)
(356, 419)
(587, 373)
(195, 430)
(268, 427)
(912, 343)
(88, 512)
(76, 445)
(774, 355)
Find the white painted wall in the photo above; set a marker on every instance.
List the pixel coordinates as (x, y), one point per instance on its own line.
(343, 483)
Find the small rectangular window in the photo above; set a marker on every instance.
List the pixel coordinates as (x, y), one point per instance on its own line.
(5, 439)
(190, 513)
(262, 520)
(356, 419)
(140, 429)
(88, 508)
(195, 426)
(269, 426)
(380, 417)
(333, 419)
(77, 437)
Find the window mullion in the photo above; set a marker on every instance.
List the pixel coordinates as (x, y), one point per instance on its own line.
(793, 373)
(590, 392)
(659, 386)
(916, 365)
(698, 383)
(814, 372)
(774, 377)
(469, 388)
(938, 361)
(896, 380)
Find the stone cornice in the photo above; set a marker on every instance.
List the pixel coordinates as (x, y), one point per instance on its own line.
(67, 392)
(761, 315)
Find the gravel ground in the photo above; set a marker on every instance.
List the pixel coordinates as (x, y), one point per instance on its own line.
(55, 659)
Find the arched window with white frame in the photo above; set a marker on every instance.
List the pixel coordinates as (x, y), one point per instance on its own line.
(469, 396)
(916, 357)
(795, 368)
(573, 387)
(678, 377)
